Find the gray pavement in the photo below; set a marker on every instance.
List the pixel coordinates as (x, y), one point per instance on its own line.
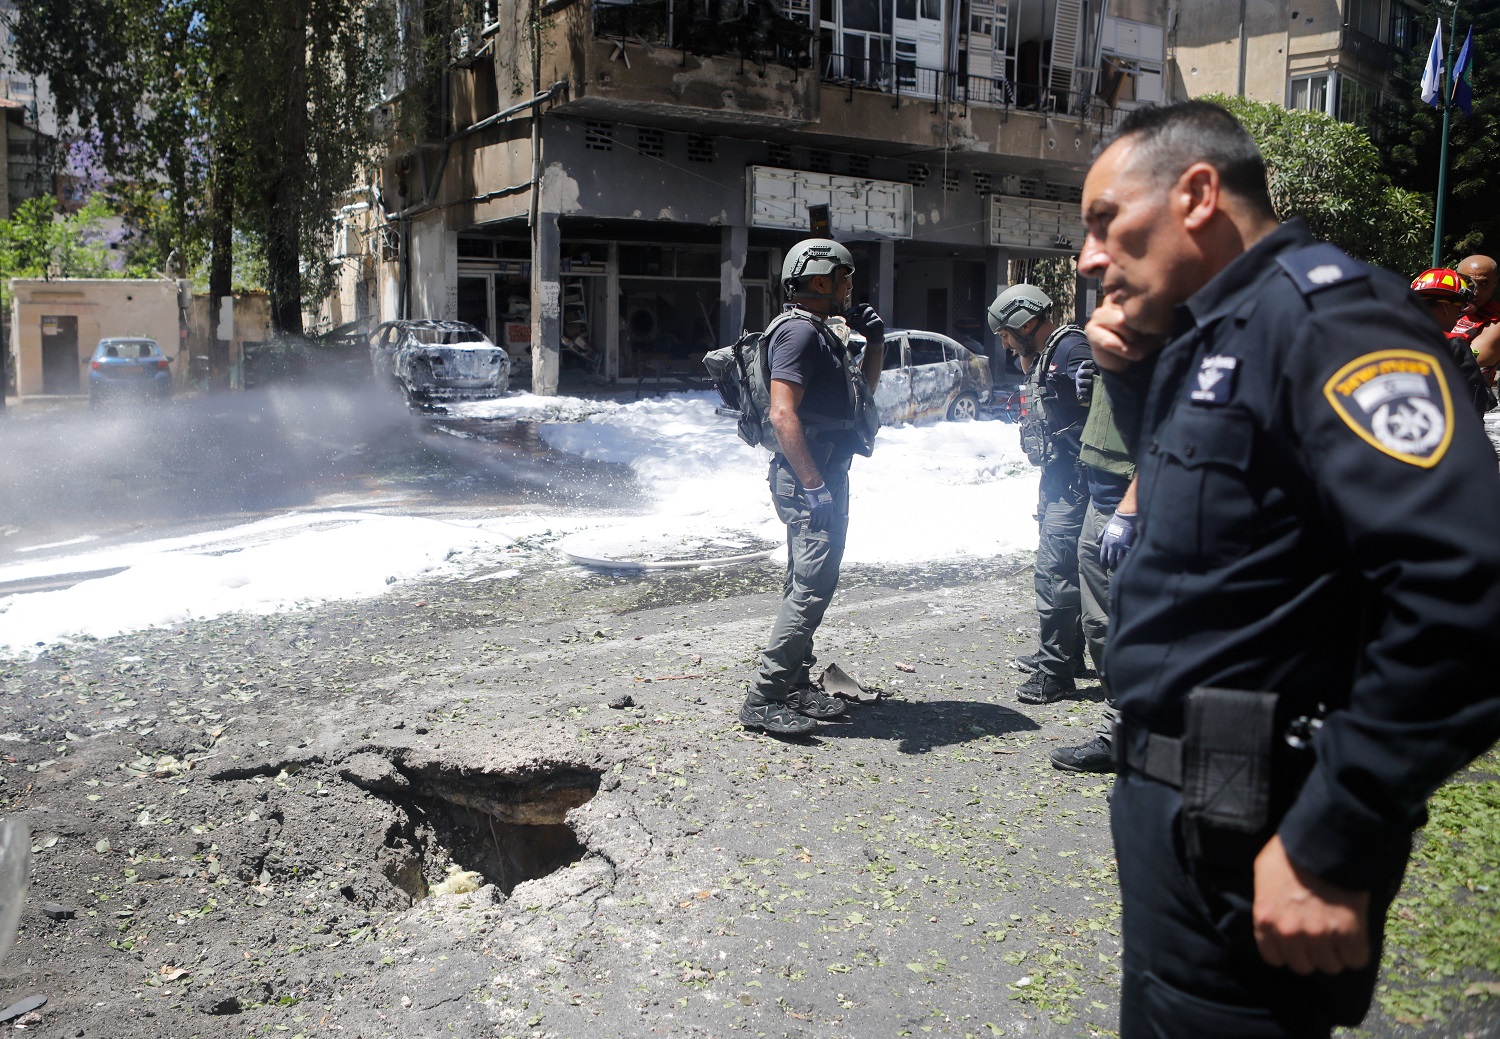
(919, 868)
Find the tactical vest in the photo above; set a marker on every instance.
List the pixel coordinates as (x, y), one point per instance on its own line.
(1038, 438)
(1102, 447)
(742, 372)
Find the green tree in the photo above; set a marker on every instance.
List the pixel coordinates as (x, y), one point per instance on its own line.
(1410, 132)
(1330, 174)
(38, 243)
(126, 76)
(245, 114)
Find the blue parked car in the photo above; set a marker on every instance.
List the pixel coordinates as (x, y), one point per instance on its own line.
(129, 366)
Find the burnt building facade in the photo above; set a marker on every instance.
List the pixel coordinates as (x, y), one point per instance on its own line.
(615, 182)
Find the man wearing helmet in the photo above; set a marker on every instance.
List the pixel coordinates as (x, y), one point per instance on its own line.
(1051, 424)
(1448, 295)
(812, 413)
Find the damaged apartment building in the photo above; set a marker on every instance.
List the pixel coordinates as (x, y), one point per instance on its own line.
(615, 182)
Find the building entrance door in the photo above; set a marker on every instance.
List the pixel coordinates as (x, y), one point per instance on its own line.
(937, 310)
(60, 363)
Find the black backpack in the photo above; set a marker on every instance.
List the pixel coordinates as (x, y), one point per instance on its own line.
(741, 372)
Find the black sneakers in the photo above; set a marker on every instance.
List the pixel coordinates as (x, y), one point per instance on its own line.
(1094, 756)
(1043, 688)
(811, 702)
(798, 715)
(779, 719)
(1029, 665)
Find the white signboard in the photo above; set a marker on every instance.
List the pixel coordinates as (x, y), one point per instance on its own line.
(856, 206)
(1032, 223)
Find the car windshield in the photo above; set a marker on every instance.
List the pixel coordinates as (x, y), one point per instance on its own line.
(447, 336)
(132, 349)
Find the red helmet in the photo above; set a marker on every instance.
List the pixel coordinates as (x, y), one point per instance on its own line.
(1442, 283)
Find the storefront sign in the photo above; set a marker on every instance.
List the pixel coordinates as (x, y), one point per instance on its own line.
(856, 206)
(1035, 224)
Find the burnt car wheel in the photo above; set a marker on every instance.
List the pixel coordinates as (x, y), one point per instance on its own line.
(965, 408)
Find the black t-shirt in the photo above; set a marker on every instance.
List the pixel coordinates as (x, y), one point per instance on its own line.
(1106, 489)
(800, 354)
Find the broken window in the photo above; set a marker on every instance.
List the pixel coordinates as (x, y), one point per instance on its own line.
(753, 29)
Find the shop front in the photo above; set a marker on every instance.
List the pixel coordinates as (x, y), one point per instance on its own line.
(629, 308)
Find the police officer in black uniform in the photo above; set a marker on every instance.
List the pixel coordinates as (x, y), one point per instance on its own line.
(1052, 419)
(1301, 629)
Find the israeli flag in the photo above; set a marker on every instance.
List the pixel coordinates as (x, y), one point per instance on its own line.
(1432, 76)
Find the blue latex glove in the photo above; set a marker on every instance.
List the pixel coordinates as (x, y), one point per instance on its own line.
(1083, 382)
(819, 505)
(863, 319)
(1115, 539)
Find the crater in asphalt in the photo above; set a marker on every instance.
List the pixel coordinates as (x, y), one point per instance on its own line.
(508, 829)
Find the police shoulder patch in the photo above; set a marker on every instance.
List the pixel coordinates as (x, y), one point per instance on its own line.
(1398, 402)
(1320, 266)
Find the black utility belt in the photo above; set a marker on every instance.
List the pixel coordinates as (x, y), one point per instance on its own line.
(1235, 769)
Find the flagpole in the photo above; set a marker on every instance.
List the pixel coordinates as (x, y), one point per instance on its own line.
(1442, 188)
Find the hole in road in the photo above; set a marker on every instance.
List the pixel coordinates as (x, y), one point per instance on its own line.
(506, 829)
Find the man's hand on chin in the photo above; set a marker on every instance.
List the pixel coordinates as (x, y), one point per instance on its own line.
(1305, 923)
(1117, 345)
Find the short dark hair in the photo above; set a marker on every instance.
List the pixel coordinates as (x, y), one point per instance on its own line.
(1173, 137)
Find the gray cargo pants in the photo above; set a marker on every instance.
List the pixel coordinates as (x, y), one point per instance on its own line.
(1093, 584)
(812, 575)
(1060, 513)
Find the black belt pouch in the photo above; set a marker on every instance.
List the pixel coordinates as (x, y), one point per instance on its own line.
(1226, 762)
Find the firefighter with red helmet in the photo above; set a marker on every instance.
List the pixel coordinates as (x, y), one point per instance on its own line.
(1447, 295)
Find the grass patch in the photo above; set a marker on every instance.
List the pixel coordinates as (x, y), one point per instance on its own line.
(1443, 932)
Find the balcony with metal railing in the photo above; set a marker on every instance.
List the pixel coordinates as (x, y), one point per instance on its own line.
(908, 81)
(751, 30)
(1366, 48)
(692, 64)
(670, 61)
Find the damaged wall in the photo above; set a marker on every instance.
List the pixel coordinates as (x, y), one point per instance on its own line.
(1207, 47)
(626, 71)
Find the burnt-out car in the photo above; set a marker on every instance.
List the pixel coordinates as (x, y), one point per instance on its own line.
(435, 361)
(928, 377)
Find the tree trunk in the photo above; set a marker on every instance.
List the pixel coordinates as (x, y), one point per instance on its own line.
(284, 228)
(221, 258)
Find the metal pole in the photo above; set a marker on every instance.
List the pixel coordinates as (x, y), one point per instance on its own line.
(1244, 50)
(534, 217)
(1442, 188)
